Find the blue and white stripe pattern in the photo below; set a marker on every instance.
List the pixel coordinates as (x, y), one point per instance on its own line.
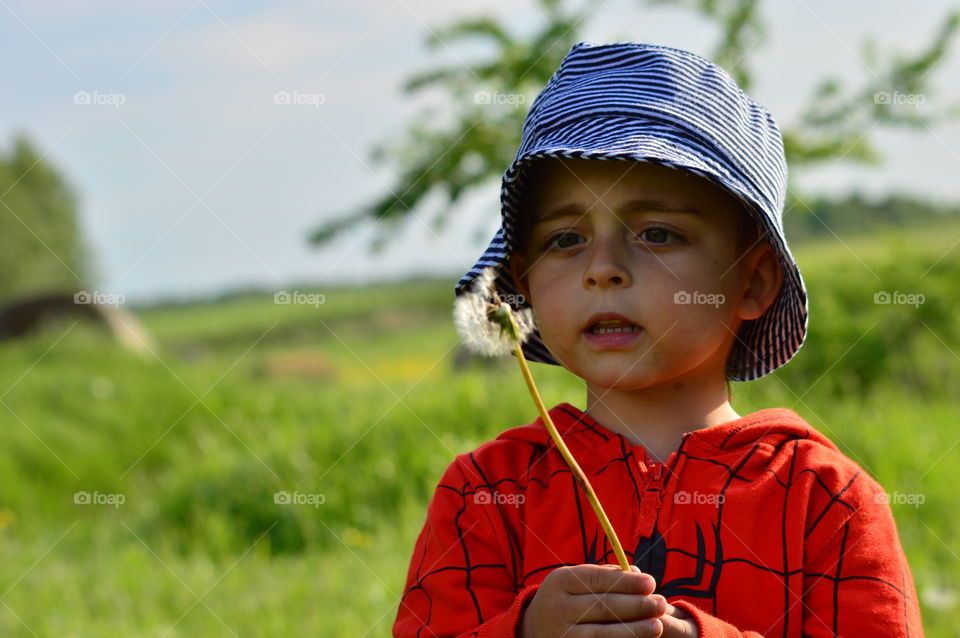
(633, 101)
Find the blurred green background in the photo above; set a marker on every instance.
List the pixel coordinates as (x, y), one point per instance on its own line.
(241, 466)
(360, 400)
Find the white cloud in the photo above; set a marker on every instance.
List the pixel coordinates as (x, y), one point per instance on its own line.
(274, 42)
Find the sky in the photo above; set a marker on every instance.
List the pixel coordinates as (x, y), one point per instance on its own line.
(194, 181)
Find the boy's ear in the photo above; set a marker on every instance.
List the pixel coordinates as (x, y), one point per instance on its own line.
(518, 271)
(764, 277)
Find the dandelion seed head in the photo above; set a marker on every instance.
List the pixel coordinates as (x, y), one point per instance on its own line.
(486, 283)
(486, 324)
(525, 323)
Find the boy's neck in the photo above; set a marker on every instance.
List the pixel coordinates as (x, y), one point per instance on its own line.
(658, 418)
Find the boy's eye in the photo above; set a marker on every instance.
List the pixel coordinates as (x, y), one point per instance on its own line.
(563, 240)
(656, 235)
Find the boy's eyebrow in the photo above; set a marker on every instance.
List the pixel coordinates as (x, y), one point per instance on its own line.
(643, 203)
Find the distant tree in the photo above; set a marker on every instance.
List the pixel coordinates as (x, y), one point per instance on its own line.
(853, 213)
(41, 248)
(473, 139)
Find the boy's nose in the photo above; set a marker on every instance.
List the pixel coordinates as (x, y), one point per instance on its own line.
(606, 266)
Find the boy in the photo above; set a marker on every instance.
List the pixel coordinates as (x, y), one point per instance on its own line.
(642, 223)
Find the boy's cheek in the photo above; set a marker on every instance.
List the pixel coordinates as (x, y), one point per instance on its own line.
(561, 337)
(544, 275)
(552, 332)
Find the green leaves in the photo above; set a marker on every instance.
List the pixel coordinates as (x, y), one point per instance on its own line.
(471, 140)
(41, 247)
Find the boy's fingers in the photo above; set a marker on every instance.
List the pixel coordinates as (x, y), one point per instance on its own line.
(596, 579)
(650, 628)
(593, 608)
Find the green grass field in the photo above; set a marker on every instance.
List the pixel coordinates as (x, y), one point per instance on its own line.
(356, 403)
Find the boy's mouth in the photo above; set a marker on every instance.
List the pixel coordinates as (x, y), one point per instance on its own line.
(609, 323)
(606, 331)
(607, 327)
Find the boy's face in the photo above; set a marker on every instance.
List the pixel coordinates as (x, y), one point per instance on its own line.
(662, 253)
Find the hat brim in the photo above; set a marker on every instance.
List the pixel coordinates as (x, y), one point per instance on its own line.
(762, 344)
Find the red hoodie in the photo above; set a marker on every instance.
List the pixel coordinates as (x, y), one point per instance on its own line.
(758, 527)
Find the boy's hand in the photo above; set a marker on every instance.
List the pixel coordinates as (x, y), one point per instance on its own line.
(581, 601)
(677, 623)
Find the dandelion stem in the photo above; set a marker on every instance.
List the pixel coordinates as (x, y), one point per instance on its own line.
(578, 474)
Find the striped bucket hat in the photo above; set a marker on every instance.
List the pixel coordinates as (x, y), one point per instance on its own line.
(633, 101)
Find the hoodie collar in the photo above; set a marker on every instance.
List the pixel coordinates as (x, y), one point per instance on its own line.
(586, 437)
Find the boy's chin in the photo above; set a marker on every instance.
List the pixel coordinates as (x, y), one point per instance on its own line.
(620, 378)
(629, 375)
